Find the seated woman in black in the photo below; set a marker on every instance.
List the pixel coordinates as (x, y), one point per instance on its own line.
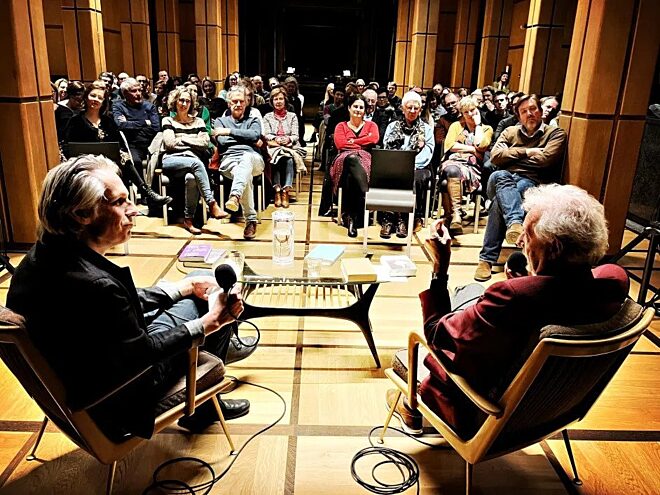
(352, 165)
(95, 125)
(66, 109)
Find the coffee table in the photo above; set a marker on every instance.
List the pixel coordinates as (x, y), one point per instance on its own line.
(288, 290)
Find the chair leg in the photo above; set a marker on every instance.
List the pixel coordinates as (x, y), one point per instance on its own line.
(260, 202)
(389, 417)
(411, 219)
(567, 441)
(339, 199)
(365, 231)
(33, 454)
(427, 207)
(468, 477)
(111, 478)
(205, 217)
(477, 209)
(163, 192)
(223, 424)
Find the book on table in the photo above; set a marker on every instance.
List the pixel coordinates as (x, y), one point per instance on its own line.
(201, 256)
(358, 270)
(327, 254)
(399, 265)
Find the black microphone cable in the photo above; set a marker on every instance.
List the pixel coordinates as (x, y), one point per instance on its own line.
(404, 463)
(176, 486)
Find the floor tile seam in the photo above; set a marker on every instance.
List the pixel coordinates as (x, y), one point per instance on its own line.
(18, 458)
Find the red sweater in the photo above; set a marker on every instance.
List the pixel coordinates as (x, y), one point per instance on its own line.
(368, 135)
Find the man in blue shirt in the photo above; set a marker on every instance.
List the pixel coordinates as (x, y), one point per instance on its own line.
(139, 121)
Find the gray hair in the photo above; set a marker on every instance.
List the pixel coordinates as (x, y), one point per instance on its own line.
(235, 89)
(573, 218)
(72, 190)
(127, 85)
(411, 96)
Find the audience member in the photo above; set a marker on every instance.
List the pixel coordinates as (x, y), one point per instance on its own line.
(93, 124)
(502, 84)
(550, 108)
(395, 101)
(216, 105)
(488, 105)
(60, 93)
(352, 165)
(564, 235)
(161, 98)
(512, 119)
(197, 109)
(259, 90)
(449, 102)
(360, 85)
(185, 140)
(272, 82)
(286, 155)
(163, 76)
(465, 145)
(370, 98)
(527, 155)
(462, 92)
(230, 81)
(410, 133)
(139, 121)
(114, 332)
(238, 137)
(384, 114)
(145, 85)
(66, 109)
(499, 112)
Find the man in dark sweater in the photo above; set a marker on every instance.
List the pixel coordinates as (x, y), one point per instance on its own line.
(527, 155)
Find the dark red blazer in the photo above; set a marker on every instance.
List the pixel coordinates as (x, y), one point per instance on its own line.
(486, 340)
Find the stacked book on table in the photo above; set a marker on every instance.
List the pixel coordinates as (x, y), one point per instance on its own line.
(201, 255)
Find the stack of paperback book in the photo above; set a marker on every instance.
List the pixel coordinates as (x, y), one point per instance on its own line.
(201, 255)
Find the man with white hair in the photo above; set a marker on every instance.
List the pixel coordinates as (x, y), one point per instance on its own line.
(238, 137)
(94, 327)
(563, 237)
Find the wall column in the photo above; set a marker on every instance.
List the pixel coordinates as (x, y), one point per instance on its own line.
(83, 39)
(28, 141)
(136, 42)
(465, 40)
(169, 37)
(208, 39)
(424, 41)
(549, 27)
(608, 83)
(495, 40)
(403, 44)
(230, 35)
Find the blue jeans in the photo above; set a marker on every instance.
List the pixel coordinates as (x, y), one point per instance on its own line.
(196, 179)
(506, 192)
(241, 170)
(283, 168)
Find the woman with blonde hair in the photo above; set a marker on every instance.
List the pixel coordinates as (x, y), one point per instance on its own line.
(184, 139)
(465, 144)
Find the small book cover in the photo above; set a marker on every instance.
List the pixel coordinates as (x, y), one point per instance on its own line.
(358, 270)
(399, 265)
(327, 254)
(195, 252)
(210, 261)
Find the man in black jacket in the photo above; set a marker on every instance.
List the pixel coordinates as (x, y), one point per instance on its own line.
(95, 329)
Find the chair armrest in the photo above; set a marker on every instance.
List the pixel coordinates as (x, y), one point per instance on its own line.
(191, 381)
(414, 340)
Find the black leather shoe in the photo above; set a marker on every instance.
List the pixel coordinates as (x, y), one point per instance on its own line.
(237, 351)
(153, 197)
(352, 230)
(401, 230)
(234, 408)
(386, 230)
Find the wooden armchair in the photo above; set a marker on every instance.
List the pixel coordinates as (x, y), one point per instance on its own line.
(205, 379)
(557, 385)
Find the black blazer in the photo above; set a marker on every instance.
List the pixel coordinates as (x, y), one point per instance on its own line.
(87, 318)
(80, 130)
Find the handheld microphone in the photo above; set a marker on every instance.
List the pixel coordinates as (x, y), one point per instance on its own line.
(517, 263)
(225, 276)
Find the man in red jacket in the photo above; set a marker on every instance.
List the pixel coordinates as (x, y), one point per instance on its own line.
(564, 235)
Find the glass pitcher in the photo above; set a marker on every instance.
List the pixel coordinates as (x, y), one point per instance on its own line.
(283, 237)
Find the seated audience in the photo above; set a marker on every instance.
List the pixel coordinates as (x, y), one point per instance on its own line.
(281, 132)
(370, 97)
(499, 112)
(111, 331)
(488, 105)
(230, 81)
(502, 84)
(259, 90)
(139, 121)
(360, 85)
(93, 124)
(185, 140)
(384, 114)
(238, 137)
(449, 102)
(411, 133)
(145, 85)
(395, 101)
(161, 98)
(564, 235)
(526, 155)
(66, 109)
(512, 118)
(550, 107)
(59, 91)
(465, 145)
(352, 165)
(216, 105)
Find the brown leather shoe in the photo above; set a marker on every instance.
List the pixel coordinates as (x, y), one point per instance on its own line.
(250, 231)
(483, 272)
(513, 232)
(278, 198)
(386, 229)
(285, 198)
(418, 224)
(188, 225)
(216, 212)
(411, 420)
(401, 230)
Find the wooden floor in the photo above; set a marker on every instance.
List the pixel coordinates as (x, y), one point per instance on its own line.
(334, 396)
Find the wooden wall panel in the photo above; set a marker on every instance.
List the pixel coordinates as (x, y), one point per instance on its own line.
(55, 38)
